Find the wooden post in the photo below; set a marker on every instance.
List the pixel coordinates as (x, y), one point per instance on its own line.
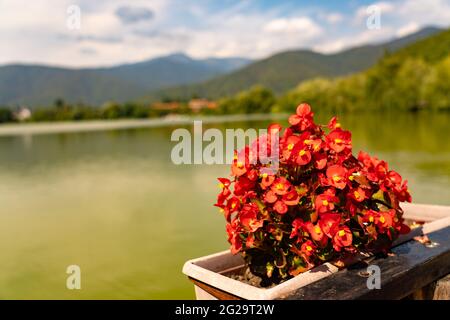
(442, 289)
(438, 290)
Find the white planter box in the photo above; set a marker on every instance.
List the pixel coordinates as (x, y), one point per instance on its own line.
(209, 273)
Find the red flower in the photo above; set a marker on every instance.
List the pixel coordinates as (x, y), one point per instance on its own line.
(250, 242)
(291, 198)
(280, 207)
(233, 204)
(221, 197)
(248, 196)
(308, 248)
(370, 216)
(325, 202)
(249, 217)
(233, 236)
(303, 117)
(274, 128)
(300, 154)
(329, 223)
(402, 192)
(320, 160)
(280, 186)
(315, 144)
(375, 169)
(394, 178)
(358, 194)
(365, 159)
(304, 110)
(316, 233)
(270, 197)
(297, 228)
(224, 182)
(225, 193)
(337, 176)
(243, 185)
(381, 169)
(238, 168)
(252, 175)
(342, 238)
(333, 124)
(384, 220)
(266, 180)
(393, 181)
(289, 145)
(339, 140)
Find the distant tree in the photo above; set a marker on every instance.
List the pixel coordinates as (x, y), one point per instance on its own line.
(313, 91)
(59, 103)
(44, 114)
(436, 86)
(346, 94)
(6, 115)
(111, 110)
(167, 99)
(408, 84)
(380, 84)
(227, 105)
(256, 100)
(141, 111)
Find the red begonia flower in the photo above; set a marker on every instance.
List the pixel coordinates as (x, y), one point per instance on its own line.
(337, 176)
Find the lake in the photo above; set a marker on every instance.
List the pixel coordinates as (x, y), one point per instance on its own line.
(113, 203)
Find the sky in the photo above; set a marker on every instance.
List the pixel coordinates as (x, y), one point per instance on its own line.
(88, 33)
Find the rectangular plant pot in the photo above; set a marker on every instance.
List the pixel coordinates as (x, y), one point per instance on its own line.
(210, 273)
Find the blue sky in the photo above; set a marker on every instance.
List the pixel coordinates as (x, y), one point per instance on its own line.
(117, 31)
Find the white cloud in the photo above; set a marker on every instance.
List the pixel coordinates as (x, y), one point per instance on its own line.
(407, 29)
(38, 33)
(424, 12)
(362, 38)
(289, 25)
(333, 17)
(398, 18)
(252, 35)
(401, 12)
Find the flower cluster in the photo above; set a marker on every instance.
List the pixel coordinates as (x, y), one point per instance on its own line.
(319, 204)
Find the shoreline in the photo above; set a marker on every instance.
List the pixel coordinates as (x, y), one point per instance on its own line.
(123, 124)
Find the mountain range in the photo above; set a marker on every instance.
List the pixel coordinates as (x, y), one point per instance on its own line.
(285, 70)
(37, 85)
(180, 76)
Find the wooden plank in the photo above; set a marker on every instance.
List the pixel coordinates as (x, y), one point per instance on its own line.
(425, 212)
(413, 266)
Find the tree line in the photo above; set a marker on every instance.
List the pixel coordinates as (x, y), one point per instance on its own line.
(409, 84)
(394, 83)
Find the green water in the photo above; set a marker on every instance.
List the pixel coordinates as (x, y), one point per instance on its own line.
(113, 203)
